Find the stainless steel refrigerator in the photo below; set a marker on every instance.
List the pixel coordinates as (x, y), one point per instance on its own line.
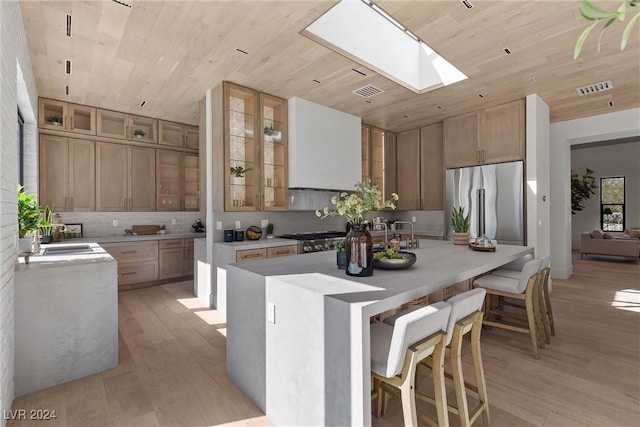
(493, 194)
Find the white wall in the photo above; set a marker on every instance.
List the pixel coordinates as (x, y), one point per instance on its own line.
(622, 124)
(13, 51)
(607, 161)
(538, 183)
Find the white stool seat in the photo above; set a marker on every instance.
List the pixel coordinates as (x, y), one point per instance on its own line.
(503, 272)
(499, 283)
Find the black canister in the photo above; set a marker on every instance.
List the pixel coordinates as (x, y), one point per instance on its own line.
(239, 235)
(228, 235)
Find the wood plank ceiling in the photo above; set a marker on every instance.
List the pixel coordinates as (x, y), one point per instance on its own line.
(170, 52)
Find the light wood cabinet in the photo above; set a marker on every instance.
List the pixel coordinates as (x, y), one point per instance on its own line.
(408, 172)
(502, 133)
(168, 180)
(137, 261)
(143, 129)
(60, 115)
(125, 178)
(191, 137)
(431, 168)
(492, 135)
(178, 135)
(187, 263)
(379, 159)
(461, 140)
(112, 124)
(190, 182)
(251, 254)
(274, 156)
(170, 263)
(279, 251)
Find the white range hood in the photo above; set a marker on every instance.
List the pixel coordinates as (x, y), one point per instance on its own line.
(324, 147)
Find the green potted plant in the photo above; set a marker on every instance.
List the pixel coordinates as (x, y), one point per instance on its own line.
(54, 119)
(139, 133)
(237, 172)
(28, 219)
(341, 255)
(582, 187)
(271, 131)
(460, 224)
(46, 224)
(270, 231)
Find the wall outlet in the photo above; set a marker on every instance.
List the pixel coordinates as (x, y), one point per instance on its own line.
(115, 222)
(238, 226)
(264, 223)
(173, 221)
(271, 312)
(218, 225)
(413, 219)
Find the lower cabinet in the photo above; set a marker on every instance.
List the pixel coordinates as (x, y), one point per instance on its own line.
(263, 253)
(137, 261)
(151, 261)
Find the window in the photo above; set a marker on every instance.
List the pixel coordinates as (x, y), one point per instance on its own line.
(612, 204)
(20, 149)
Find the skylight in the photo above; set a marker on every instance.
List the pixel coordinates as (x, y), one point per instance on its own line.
(366, 34)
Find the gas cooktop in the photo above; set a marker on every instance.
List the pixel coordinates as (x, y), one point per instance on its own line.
(315, 235)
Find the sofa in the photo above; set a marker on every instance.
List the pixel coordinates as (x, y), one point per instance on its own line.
(617, 244)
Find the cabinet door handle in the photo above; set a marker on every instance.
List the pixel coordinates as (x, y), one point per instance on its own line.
(129, 274)
(71, 127)
(129, 252)
(251, 256)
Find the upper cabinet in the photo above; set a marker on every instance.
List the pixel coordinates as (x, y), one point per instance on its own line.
(143, 129)
(493, 135)
(252, 132)
(113, 124)
(431, 167)
(379, 159)
(408, 149)
(178, 135)
(273, 153)
(60, 115)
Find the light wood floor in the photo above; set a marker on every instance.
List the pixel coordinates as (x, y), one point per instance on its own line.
(172, 364)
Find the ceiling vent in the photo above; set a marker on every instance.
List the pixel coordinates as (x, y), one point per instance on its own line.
(598, 87)
(368, 91)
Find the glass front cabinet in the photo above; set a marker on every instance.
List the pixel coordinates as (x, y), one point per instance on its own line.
(255, 147)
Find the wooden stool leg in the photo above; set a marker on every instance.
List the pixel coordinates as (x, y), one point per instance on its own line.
(479, 371)
(440, 392)
(543, 311)
(547, 301)
(530, 295)
(458, 379)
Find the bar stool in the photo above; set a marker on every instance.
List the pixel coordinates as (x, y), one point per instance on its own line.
(397, 350)
(525, 288)
(546, 288)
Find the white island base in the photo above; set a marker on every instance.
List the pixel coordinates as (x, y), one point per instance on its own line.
(66, 318)
(298, 340)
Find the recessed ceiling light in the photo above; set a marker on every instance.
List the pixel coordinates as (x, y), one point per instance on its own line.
(439, 107)
(507, 51)
(143, 103)
(121, 3)
(611, 103)
(67, 67)
(316, 80)
(406, 116)
(66, 89)
(480, 95)
(532, 80)
(596, 87)
(467, 4)
(367, 101)
(68, 25)
(242, 51)
(358, 71)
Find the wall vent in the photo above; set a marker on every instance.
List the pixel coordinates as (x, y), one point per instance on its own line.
(467, 4)
(598, 87)
(368, 91)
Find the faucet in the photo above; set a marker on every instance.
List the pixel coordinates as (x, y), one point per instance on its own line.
(413, 243)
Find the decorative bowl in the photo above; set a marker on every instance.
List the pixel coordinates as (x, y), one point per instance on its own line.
(253, 233)
(408, 259)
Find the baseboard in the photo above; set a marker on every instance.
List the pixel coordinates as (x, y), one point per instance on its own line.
(562, 273)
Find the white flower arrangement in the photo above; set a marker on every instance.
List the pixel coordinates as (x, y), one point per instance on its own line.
(357, 206)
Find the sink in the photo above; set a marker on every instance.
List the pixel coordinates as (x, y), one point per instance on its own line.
(68, 249)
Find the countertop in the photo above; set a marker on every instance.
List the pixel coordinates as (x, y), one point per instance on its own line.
(258, 244)
(128, 238)
(38, 261)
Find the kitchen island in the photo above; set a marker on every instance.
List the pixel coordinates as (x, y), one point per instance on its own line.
(66, 316)
(298, 328)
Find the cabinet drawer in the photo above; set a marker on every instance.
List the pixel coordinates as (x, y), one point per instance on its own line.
(171, 243)
(138, 272)
(188, 243)
(282, 251)
(251, 255)
(126, 253)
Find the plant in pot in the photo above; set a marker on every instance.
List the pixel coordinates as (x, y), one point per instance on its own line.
(28, 219)
(271, 131)
(163, 229)
(54, 119)
(460, 224)
(237, 172)
(46, 224)
(356, 207)
(341, 255)
(270, 231)
(582, 187)
(139, 133)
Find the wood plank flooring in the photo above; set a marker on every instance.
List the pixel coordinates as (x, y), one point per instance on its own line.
(172, 364)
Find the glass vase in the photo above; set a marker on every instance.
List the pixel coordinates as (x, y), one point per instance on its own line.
(359, 249)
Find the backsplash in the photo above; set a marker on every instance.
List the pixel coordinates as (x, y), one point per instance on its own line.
(99, 224)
